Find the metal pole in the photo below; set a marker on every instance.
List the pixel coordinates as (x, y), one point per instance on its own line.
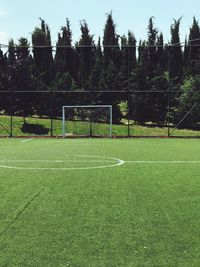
(111, 122)
(128, 92)
(90, 94)
(11, 116)
(10, 103)
(90, 120)
(63, 121)
(184, 117)
(169, 92)
(168, 114)
(129, 114)
(90, 111)
(51, 112)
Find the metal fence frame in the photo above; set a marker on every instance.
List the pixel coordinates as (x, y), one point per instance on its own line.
(89, 93)
(52, 97)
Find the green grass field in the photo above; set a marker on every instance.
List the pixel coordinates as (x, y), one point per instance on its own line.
(83, 128)
(99, 202)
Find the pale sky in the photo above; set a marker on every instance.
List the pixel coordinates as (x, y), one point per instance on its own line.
(18, 18)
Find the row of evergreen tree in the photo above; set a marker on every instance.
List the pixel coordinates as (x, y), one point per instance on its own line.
(116, 63)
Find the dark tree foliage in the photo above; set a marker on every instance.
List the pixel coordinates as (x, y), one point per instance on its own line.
(186, 57)
(97, 73)
(151, 46)
(85, 51)
(189, 103)
(42, 52)
(131, 44)
(114, 64)
(128, 62)
(66, 58)
(23, 79)
(123, 73)
(111, 44)
(4, 81)
(176, 55)
(160, 54)
(138, 107)
(4, 84)
(193, 49)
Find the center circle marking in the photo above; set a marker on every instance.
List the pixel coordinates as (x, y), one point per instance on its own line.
(114, 162)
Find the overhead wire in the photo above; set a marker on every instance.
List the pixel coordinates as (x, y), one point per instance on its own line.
(109, 46)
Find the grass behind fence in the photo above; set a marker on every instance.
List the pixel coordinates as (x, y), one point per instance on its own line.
(42, 126)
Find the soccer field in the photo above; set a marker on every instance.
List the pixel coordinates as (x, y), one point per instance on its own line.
(99, 202)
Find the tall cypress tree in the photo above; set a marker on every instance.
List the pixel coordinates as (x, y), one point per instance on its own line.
(160, 54)
(112, 54)
(85, 50)
(4, 85)
(97, 74)
(194, 48)
(23, 79)
(186, 57)
(151, 44)
(12, 64)
(122, 79)
(159, 82)
(43, 61)
(154, 71)
(42, 52)
(138, 105)
(131, 51)
(111, 43)
(176, 55)
(128, 62)
(4, 82)
(66, 58)
(141, 69)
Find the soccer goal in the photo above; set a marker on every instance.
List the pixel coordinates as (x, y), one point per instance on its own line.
(87, 120)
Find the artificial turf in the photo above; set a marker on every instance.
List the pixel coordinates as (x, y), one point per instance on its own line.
(140, 213)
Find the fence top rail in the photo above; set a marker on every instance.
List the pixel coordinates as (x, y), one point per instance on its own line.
(189, 43)
(99, 91)
(88, 106)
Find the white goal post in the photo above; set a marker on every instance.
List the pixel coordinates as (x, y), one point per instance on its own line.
(88, 108)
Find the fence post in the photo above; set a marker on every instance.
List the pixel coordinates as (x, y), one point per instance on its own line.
(51, 111)
(169, 91)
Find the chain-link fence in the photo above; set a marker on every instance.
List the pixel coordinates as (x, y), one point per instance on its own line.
(133, 114)
(156, 97)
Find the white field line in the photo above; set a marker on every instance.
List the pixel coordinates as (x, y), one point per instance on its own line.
(163, 161)
(76, 142)
(26, 140)
(103, 161)
(112, 162)
(116, 163)
(56, 161)
(120, 162)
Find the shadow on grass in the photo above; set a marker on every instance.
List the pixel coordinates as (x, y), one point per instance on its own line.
(34, 129)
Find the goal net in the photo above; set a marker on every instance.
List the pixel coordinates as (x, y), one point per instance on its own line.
(90, 120)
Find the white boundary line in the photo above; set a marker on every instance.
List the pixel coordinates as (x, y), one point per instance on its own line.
(90, 141)
(26, 140)
(56, 161)
(163, 161)
(118, 162)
